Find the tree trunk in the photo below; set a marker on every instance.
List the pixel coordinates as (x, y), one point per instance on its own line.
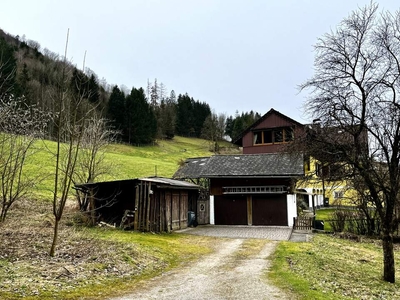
(92, 209)
(388, 257)
(55, 236)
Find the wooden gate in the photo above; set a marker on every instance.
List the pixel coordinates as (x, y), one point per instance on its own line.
(302, 223)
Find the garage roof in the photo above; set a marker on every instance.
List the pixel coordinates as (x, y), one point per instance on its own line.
(250, 165)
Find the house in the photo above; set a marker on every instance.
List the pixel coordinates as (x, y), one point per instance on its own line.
(264, 185)
(146, 204)
(269, 134)
(322, 183)
(249, 189)
(328, 178)
(257, 187)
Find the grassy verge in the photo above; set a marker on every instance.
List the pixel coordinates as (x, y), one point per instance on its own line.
(332, 268)
(119, 266)
(160, 253)
(90, 263)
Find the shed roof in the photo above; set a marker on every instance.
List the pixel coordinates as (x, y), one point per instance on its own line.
(161, 181)
(171, 182)
(250, 165)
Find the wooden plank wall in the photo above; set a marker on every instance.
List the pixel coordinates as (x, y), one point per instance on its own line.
(175, 214)
(159, 210)
(168, 209)
(183, 210)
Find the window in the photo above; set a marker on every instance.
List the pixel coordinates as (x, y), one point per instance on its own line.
(338, 195)
(289, 136)
(307, 164)
(278, 135)
(258, 138)
(272, 136)
(318, 169)
(267, 137)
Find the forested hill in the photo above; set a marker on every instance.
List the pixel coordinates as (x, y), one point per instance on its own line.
(36, 77)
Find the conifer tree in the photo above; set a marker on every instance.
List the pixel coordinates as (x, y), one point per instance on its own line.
(184, 115)
(141, 124)
(116, 109)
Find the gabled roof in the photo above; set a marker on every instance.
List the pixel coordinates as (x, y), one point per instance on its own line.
(192, 168)
(238, 140)
(271, 165)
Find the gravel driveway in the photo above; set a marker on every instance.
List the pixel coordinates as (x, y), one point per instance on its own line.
(274, 233)
(220, 275)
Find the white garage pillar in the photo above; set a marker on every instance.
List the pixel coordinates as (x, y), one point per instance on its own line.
(291, 208)
(212, 217)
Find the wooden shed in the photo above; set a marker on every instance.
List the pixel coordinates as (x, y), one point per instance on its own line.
(146, 204)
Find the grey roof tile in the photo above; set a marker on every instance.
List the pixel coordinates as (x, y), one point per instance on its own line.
(251, 165)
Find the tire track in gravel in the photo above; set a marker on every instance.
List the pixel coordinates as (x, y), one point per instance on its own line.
(220, 275)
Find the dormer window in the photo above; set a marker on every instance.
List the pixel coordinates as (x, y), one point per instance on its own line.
(273, 136)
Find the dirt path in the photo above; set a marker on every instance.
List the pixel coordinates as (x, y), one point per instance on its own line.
(221, 275)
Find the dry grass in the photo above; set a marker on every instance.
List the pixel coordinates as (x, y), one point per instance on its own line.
(90, 263)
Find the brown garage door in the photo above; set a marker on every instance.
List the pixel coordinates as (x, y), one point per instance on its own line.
(270, 210)
(230, 210)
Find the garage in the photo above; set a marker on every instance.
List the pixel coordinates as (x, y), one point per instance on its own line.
(270, 210)
(253, 189)
(230, 210)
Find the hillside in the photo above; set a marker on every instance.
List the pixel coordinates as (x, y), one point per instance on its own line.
(161, 159)
(34, 76)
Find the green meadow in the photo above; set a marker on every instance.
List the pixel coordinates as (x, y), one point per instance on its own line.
(124, 161)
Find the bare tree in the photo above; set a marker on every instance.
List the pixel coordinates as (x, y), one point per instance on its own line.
(91, 160)
(355, 90)
(34, 44)
(72, 112)
(213, 129)
(20, 127)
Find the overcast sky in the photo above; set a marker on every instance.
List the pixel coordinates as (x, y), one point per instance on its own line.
(234, 55)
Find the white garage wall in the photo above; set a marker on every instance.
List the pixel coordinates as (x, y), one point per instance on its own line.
(212, 217)
(291, 208)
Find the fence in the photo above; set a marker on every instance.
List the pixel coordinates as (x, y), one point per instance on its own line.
(302, 223)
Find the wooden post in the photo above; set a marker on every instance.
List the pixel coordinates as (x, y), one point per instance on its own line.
(136, 217)
(153, 207)
(249, 210)
(92, 208)
(161, 211)
(168, 205)
(140, 207)
(148, 207)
